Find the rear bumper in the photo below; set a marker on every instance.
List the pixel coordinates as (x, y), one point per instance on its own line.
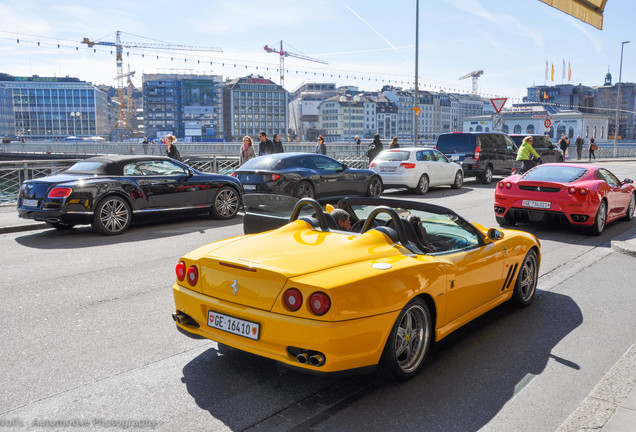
(346, 345)
(75, 218)
(512, 208)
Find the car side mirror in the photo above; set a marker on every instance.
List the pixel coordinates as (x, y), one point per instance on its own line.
(628, 181)
(190, 172)
(344, 166)
(494, 234)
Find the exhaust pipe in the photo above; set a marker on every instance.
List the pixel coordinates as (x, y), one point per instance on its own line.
(317, 359)
(183, 319)
(302, 358)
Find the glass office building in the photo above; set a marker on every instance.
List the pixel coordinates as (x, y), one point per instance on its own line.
(55, 108)
(7, 126)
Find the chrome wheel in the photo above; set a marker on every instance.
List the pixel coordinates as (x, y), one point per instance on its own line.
(375, 187)
(112, 216)
(226, 203)
(600, 219)
(422, 185)
(459, 180)
(526, 284)
(408, 342)
(486, 177)
(630, 209)
(304, 190)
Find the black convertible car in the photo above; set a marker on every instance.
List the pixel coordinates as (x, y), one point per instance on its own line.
(108, 191)
(306, 175)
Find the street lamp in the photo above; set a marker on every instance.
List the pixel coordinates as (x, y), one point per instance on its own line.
(79, 116)
(618, 98)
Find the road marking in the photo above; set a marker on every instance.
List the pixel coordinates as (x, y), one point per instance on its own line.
(552, 279)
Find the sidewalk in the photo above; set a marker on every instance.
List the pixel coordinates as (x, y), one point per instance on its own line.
(610, 406)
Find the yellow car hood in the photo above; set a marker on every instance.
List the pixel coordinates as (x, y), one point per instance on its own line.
(252, 270)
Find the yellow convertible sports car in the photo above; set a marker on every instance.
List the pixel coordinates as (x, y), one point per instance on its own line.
(315, 297)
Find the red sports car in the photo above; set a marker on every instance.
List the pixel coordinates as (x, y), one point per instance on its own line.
(583, 195)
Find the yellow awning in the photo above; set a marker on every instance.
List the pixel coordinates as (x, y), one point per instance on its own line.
(588, 11)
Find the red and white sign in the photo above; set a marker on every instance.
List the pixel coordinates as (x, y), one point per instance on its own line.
(498, 103)
(547, 123)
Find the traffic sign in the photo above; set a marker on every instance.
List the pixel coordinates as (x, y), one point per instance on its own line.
(498, 103)
(547, 123)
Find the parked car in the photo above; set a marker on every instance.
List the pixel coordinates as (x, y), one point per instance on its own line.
(581, 195)
(109, 191)
(541, 143)
(417, 169)
(481, 154)
(325, 300)
(306, 175)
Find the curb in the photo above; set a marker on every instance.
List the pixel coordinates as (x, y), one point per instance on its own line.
(19, 228)
(624, 247)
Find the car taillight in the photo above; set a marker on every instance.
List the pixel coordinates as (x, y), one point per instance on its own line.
(60, 192)
(233, 174)
(508, 185)
(372, 165)
(500, 185)
(275, 177)
(180, 270)
(571, 190)
(477, 154)
(193, 275)
(319, 303)
(293, 299)
(583, 191)
(407, 165)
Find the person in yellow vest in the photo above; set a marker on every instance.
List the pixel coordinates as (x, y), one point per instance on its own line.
(524, 152)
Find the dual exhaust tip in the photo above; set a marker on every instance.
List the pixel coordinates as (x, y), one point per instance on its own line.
(313, 358)
(184, 319)
(579, 218)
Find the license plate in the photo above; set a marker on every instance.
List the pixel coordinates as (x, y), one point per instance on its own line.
(454, 157)
(536, 204)
(387, 169)
(233, 325)
(249, 187)
(29, 203)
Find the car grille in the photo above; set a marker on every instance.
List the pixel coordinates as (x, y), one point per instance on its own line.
(540, 188)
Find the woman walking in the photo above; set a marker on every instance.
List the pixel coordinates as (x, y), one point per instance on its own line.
(247, 150)
(592, 148)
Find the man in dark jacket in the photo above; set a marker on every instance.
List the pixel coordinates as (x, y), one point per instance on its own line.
(278, 145)
(374, 148)
(266, 146)
(579, 146)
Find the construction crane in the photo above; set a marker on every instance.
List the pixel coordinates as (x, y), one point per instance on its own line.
(475, 75)
(122, 126)
(284, 54)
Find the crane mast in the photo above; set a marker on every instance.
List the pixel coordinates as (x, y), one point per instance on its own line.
(284, 54)
(474, 75)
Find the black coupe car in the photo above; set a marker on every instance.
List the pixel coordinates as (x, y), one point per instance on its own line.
(306, 175)
(109, 191)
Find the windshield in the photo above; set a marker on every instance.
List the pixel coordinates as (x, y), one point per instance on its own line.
(555, 173)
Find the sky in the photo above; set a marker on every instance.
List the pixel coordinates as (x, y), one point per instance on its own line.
(366, 43)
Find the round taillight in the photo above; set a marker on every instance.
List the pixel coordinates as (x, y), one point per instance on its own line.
(60, 192)
(572, 190)
(319, 303)
(180, 270)
(500, 185)
(193, 275)
(372, 165)
(275, 177)
(508, 185)
(293, 299)
(583, 191)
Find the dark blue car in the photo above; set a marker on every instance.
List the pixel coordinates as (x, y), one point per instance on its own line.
(306, 175)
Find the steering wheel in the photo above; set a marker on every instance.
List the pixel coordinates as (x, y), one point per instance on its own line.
(357, 227)
(460, 243)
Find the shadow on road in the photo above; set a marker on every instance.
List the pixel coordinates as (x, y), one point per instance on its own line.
(467, 380)
(150, 228)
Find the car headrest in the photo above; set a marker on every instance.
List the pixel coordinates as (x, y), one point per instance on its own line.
(331, 222)
(311, 221)
(393, 235)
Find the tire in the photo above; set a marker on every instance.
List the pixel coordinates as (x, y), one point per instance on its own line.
(408, 343)
(60, 226)
(112, 216)
(226, 203)
(560, 160)
(504, 221)
(526, 285)
(374, 189)
(459, 180)
(304, 189)
(486, 177)
(629, 214)
(422, 185)
(599, 219)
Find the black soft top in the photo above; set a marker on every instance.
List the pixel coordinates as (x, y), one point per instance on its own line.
(112, 165)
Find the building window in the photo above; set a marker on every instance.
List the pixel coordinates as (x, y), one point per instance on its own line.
(571, 132)
(478, 128)
(530, 129)
(587, 131)
(560, 131)
(517, 129)
(594, 131)
(602, 132)
(505, 129)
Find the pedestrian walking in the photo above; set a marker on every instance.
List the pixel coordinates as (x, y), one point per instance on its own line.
(579, 146)
(564, 143)
(358, 143)
(374, 148)
(145, 145)
(591, 149)
(321, 148)
(394, 143)
(277, 144)
(171, 148)
(266, 146)
(247, 150)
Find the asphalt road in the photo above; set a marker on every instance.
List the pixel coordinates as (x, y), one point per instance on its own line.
(88, 342)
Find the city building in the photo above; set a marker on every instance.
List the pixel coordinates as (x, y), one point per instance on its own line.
(188, 106)
(7, 123)
(303, 109)
(55, 108)
(342, 117)
(252, 104)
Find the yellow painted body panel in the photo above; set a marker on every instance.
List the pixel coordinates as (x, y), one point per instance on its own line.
(365, 300)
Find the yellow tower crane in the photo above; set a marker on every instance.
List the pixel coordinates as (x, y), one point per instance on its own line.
(122, 127)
